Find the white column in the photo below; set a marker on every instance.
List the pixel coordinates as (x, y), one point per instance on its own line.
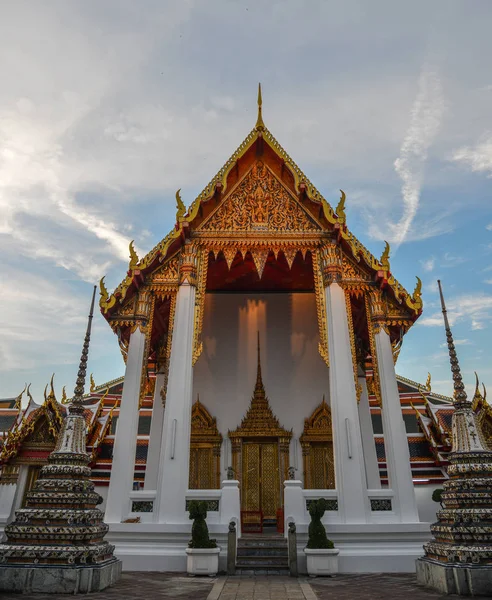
(174, 462)
(152, 467)
(350, 476)
(123, 467)
(367, 432)
(395, 436)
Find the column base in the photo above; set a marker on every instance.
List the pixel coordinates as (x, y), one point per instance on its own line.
(56, 579)
(465, 580)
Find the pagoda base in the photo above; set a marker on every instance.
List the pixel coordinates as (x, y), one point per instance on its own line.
(54, 579)
(465, 580)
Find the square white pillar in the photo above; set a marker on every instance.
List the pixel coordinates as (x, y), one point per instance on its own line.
(125, 443)
(350, 476)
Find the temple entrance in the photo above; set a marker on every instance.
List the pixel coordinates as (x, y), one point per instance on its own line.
(260, 483)
(260, 459)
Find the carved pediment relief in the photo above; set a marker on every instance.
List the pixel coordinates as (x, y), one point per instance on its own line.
(166, 274)
(260, 203)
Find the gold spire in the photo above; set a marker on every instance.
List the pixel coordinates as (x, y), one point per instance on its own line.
(259, 121)
(459, 387)
(259, 387)
(384, 260)
(79, 386)
(18, 400)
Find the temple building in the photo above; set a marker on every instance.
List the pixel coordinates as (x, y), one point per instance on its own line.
(260, 339)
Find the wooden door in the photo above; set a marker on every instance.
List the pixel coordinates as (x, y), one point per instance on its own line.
(322, 466)
(260, 488)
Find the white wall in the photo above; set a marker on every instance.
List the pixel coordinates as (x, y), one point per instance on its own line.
(294, 375)
(426, 506)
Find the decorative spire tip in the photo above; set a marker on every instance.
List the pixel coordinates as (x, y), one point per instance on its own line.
(259, 121)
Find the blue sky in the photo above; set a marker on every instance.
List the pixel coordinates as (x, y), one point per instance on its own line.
(107, 108)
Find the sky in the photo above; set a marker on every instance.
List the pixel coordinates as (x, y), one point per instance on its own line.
(106, 108)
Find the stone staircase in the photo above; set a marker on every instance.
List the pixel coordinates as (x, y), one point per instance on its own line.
(262, 555)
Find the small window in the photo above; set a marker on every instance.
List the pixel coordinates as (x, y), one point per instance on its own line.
(411, 423)
(377, 423)
(144, 425)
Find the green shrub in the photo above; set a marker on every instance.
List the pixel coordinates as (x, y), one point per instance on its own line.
(317, 533)
(437, 495)
(199, 530)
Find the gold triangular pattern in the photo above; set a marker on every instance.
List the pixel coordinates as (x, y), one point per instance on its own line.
(290, 255)
(229, 255)
(260, 257)
(260, 203)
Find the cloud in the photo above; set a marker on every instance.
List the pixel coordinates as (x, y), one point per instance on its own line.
(428, 264)
(425, 119)
(474, 309)
(488, 281)
(478, 158)
(489, 227)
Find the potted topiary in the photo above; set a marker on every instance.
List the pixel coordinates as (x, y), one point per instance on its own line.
(203, 553)
(322, 556)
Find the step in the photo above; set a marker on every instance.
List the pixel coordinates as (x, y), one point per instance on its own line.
(262, 561)
(262, 551)
(249, 571)
(262, 542)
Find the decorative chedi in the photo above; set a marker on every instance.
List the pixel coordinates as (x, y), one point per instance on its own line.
(459, 558)
(56, 543)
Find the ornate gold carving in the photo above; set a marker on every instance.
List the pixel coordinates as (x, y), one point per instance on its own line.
(133, 257)
(93, 384)
(375, 384)
(229, 253)
(331, 263)
(260, 257)
(319, 292)
(340, 209)
(188, 264)
(348, 304)
(259, 423)
(169, 343)
(205, 447)
(200, 304)
(290, 255)
(317, 449)
(164, 276)
(180, 207)
(260, 203)
(384, 260)
(144, 378)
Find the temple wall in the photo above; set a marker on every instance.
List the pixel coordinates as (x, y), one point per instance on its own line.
(294, 374)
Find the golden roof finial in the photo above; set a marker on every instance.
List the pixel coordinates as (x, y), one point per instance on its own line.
(428, 382)
(18, 400)
(64, 396)
(45, 393)
(340, 210)
(180, 206)
(52, 389)
(259, 121)
(384, 260)
(133, 257)
(103, 291)
(93, 384)
(31, 399)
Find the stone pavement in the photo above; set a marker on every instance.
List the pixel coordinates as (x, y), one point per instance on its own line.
(157, 586)
(374, 586)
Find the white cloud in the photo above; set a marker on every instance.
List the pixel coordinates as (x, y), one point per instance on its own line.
(488, 281)
(489, 227)
(426, 115)
(474, 309)
(428, 264)
(478, 158)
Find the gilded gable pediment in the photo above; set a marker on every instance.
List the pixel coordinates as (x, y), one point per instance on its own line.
(260, 203)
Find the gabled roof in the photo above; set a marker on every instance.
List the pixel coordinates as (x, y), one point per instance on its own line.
(334, 220)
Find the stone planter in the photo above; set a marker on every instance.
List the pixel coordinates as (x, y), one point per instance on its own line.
(322, 561)
(202, 561)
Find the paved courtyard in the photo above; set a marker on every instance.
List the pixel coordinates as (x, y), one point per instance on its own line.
(155, 586)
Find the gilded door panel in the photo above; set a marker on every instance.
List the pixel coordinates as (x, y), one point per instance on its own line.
(251, 477)
(270, 483)
(322, 466)
(201, 469)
